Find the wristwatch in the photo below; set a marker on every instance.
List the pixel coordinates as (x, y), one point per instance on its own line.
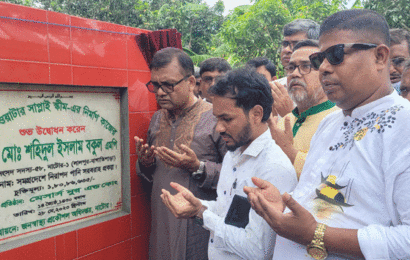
(200, 172)
(197, 219)
(316, 248)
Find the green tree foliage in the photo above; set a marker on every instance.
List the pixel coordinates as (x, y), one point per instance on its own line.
(251, 31)
(396, 12)
(316, 10)
(196, 21)
(256, 30)
(20, 2)
(125, 12)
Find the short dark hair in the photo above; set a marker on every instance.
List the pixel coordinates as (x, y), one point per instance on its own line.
(212, 64)
(263, 61)
(164, 57)
(359, 20)
(247, 87)
(397, 36)
(306, 43)
(311, 28)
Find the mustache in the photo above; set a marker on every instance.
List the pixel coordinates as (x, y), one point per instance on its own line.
(293, 82)
(225, 134)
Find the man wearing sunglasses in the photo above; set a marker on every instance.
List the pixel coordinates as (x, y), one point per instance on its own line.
(182, 146)
(294, 132)
(352, 200)
(210, 70)
(399, 53)
(293, 32)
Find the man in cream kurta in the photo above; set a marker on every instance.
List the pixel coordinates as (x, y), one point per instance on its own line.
(294, 132)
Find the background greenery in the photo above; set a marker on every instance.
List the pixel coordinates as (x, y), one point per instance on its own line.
(248, 31)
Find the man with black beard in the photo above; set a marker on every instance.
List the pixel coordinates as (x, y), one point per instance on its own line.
(242, 103)
(294, 132)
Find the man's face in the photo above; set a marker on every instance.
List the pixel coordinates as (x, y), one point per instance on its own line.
(405, 84)
(350, 83)
(207, 80)
(400, 52)
(290, 41)
(262, 70)
(304, 89)
(179, 98)
(233, 124)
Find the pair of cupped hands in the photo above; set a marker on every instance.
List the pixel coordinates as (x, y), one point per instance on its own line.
(186, 160)
(297, 224)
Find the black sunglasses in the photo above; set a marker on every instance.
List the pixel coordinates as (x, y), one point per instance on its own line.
(335, 54)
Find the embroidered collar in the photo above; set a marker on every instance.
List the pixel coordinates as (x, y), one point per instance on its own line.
(311, 111)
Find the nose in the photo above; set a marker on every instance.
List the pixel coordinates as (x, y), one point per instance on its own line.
(220, 128)
(392, 68)
(288, 48)
(325, 67)
(295, 73)
(161, 93)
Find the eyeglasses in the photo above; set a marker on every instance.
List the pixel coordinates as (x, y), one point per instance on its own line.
(289, 43)
(398, 62)
(303, 68)
(335, 54)
(165, 86)
(208, 79)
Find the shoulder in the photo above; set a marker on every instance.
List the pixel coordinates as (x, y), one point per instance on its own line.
(272, 157)
(276, 168)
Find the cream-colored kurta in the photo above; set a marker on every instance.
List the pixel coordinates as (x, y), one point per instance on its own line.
(301, 141)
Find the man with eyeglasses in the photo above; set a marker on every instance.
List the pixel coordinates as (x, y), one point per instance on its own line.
(293, 32)
(182, 146)
(399, 53)
(352, 200)
(210, 70)
(294, 132)
(405, 81)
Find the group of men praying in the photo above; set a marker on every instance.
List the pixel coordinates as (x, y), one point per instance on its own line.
(243, 165)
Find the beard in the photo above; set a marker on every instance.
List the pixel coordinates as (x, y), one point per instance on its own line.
(244, 137)
(298, 95)
(301, 96)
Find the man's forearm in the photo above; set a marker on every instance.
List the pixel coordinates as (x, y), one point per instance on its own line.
(342, 241)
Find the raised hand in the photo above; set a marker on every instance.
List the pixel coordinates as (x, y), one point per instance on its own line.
(186, 160)
(146, 154)
(283, 138)
(182, 205)
(282, 103)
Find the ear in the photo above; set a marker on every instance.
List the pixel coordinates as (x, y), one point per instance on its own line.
(274, 78)
(256, 114)
(191, 83)
(382, 57)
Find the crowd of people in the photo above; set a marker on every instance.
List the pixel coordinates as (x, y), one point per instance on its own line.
(313, 165)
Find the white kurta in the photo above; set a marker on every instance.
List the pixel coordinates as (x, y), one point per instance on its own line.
(357, 175)
(263, 159)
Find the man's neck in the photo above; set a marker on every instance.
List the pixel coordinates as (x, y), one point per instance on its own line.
(302, 107)
(380, 93)
(255, 134)
(177, 112)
